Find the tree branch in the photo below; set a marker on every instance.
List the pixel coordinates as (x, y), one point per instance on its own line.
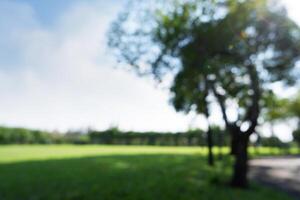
(254, 109)
(221, 101)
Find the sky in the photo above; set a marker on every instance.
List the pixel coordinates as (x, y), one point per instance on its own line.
(56, 72)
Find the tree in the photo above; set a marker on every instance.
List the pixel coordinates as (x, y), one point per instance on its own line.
(225, 51)
(296, 136)
(218, 134)
(275, 109)
(294, 108)
(294, 111)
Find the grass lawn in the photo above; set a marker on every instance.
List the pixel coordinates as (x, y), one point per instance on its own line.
(69, 172)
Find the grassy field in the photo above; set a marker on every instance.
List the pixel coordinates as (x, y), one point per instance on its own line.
(118, 172)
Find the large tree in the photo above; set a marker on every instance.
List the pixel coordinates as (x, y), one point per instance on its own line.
(223, 51)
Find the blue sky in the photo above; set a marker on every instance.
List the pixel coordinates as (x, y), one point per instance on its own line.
(56, 72)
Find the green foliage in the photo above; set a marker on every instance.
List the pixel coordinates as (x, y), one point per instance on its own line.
(228, 51)
(296, 136)
(115, 136)
(106, 172)
(275, 108)
(295, 107)
(110, 136)
(26, 136)
(76, 138)
(271, 142)
(232, 50)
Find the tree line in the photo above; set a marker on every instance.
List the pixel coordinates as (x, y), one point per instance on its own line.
(110, 136)
(27, 136)
(115, 136)
(189, 138)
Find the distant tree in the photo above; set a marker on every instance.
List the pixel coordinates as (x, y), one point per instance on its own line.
(5, 136)
(278, 109)
(219, 137)
(176, 138)
(152, 138)
(272, 141)
(296, 136)
(275, 109)
(227, 49)
(27, 136)
(75, 137)
(294, 110)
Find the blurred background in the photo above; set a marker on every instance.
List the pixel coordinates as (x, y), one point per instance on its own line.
(149, 99)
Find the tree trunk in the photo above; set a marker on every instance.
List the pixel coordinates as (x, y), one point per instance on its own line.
(233, 149)
(234, 131)
(210, 147)
(239, 178)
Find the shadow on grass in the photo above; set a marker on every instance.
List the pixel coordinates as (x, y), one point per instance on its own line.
(121, 177)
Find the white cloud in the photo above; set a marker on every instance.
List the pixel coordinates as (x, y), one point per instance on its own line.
(293, 9)
(64, 79)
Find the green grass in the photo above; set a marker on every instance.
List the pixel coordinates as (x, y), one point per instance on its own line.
(69, 172)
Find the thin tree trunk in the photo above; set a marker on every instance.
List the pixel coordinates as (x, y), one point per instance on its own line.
(210, 147)
(234, 131)
(209, 140)
(233, 145)
(209, 136)
(273, 147)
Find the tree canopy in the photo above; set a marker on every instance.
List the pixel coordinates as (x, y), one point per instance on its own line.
(210, 47)
(226, 51)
